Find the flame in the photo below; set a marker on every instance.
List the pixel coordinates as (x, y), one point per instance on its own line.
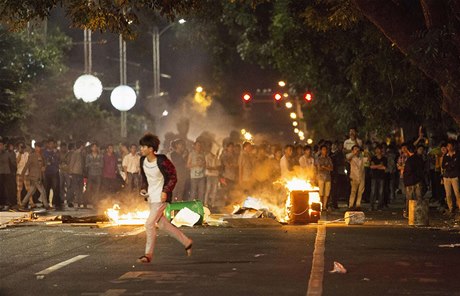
(131, 218)
(299, 184)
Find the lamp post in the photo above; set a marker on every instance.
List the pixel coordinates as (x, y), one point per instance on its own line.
(156, 34)
(123, 97)
(87, 87)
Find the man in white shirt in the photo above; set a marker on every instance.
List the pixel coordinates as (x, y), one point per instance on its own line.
(357, 179)
(352, 141)
(307, 163)
(285, 162)
(131, 167)
(212, 178)
(158, 176)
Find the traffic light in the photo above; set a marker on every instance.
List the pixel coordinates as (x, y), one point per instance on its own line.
(277, 100)
(247, 101)
(308, 97)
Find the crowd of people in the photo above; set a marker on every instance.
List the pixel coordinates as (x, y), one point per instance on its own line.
(78, 175)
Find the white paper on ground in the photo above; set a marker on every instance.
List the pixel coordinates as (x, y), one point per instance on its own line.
(185, 217)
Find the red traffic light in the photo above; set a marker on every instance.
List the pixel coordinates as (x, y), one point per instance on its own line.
(277, 97)
(247, 97)
(308, 97)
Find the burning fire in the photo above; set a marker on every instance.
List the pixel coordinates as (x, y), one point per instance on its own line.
(132, 218)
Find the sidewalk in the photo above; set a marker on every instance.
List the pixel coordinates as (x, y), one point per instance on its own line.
(391, 216)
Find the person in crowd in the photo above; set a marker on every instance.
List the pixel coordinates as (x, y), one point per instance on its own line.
(93, 165)
(109, 171)
(298, 154)
(36, 167)
(286, 161)
(339, 187)
(7, 188)
(378, 166)
(22, 181)
(450, 166)
(212, 178)
(12, 176)
(307, 163)
(52, 180)
(441, 192)
(158, 177)
(324, 168)
(412, 175)
(131, 167)
(123, 150)
(352, 140)
(197, 164)
(391, 177)
(229, 161)
(357, 178)
(64, 175)
(421, 151)
(180, 162)
(246, 166)
(76, 170)
(367, 156)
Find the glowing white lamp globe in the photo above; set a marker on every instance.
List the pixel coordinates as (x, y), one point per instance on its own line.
(87, 88)
(123, 97)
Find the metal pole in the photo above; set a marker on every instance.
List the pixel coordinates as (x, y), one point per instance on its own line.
(123, 79)
(156, 61)
(85, 49)
(90, 53)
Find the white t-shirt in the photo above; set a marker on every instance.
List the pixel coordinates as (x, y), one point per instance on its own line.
(22, 162)
(284, 164)
(155, 180)
(131, 162)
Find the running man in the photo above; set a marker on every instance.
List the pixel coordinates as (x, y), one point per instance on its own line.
(158, 178)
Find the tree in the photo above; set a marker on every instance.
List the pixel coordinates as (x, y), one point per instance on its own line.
(427, 31)
(25, 59)
(357, 76)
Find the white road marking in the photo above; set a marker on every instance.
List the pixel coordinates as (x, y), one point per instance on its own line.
(315, 284)
(60, 265)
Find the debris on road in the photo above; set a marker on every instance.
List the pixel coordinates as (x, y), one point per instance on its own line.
(354, 218)
(185, 217)
(449, 246)
(338, 268)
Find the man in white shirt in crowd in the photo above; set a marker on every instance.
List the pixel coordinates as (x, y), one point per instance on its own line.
(352, 141)
(212, 178)
(131, 167)
(357, 179)
(286, 162)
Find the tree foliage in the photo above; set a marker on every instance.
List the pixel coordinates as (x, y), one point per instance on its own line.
(25, 59)
(357, 76)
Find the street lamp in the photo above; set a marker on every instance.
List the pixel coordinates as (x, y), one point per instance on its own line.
(87, 87)
(123, 97)
(289, 105)
(293, 115)
(295, 123)
(199, 89)
(156, 34)
(282, 83)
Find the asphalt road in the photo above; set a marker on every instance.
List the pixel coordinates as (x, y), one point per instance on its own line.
(225, 261)
(380, 260)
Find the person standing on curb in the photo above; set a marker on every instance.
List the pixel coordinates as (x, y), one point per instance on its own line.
(158, 178)
(450, 166)
(412, 176)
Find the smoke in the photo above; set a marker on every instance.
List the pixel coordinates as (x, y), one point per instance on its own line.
(195, 116)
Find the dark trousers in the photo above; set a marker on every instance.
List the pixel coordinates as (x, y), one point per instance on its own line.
(367, 184)
(377, 192)
(93, 187)
(52, 182)
(7, 189)
(75, 193)
(340, 188)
